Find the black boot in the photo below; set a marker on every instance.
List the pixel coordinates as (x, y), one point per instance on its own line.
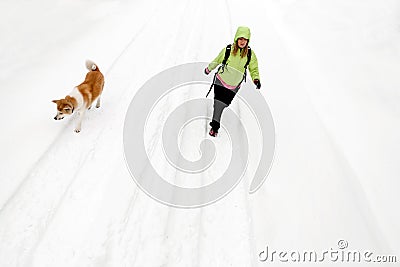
(214, 128)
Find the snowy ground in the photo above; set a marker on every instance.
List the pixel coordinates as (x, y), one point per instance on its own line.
(329, 72)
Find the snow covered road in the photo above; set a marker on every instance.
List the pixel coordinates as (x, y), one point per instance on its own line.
(329, 75)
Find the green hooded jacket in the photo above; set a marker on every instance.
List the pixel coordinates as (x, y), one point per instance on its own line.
(232, 74)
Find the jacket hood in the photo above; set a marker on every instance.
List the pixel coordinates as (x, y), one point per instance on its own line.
(244, 32)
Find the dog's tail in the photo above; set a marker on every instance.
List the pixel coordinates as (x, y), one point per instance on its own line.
(90, 65)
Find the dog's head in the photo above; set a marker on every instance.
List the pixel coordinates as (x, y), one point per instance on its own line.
(64, 107)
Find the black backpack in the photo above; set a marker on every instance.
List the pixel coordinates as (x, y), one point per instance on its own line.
(227, 54)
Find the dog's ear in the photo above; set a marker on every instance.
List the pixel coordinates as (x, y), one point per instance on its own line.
(55, 101)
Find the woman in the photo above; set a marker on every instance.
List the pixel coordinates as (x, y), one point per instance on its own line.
(230, 75)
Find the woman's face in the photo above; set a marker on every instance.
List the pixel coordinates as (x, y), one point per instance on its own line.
(242, 42)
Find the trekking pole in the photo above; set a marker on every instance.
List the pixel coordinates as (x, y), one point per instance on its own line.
(215, 75)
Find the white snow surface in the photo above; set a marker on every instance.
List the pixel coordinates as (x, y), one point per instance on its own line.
(329, 72)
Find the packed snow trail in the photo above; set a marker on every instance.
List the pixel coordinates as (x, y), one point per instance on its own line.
(69, 200)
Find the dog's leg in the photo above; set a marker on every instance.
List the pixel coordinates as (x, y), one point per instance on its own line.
(98, 102)
(79, 123)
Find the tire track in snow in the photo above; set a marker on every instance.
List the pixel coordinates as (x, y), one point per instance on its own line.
(349, 176)
(125, 65)
(56, 140)
(29, 192)
(335, 171)
(220, 234)
(182, 224)
(176, 226)
(216, 234)
(229, 16)
(160, 212)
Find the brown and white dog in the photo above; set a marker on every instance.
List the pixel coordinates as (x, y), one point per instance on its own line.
(82, 96)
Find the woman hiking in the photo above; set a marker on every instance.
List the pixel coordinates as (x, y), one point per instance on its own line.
(233, 61)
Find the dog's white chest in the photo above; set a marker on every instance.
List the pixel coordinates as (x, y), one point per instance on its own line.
(78, 96)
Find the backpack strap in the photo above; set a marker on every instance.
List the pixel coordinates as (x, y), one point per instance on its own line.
(227, 54)
(247, 64)
(248, 57)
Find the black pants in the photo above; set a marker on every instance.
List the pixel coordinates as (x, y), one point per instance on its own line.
(222, 98)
